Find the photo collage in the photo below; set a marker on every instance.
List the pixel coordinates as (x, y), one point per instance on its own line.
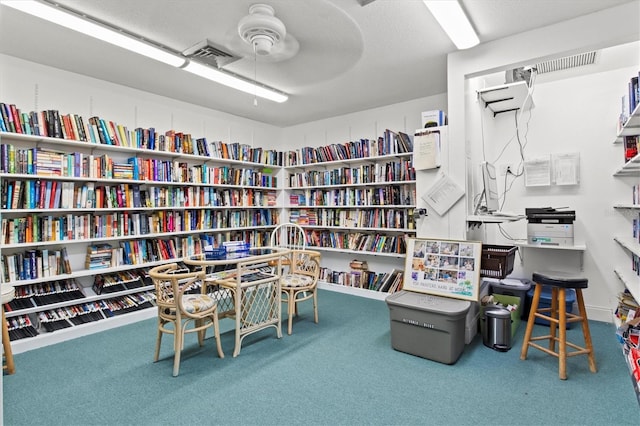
(445, 267)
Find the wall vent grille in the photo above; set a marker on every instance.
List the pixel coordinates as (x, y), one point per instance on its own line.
(567, 62)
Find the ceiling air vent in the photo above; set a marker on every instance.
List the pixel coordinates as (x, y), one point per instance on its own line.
(209, 53)
(566, 62)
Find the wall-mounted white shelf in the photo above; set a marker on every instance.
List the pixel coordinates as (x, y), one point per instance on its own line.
(631, 127)
(506, 97)
(631, 167)
(479, 219)
(631, 284)
(580, 248)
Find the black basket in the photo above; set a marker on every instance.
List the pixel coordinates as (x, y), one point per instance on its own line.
(497, 261)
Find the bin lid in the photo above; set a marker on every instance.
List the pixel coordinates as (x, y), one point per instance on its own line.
(497, 312)
(428, 302)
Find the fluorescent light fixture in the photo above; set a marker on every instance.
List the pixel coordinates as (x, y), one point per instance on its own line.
(234, 82)
(454, 22)
(81, 24)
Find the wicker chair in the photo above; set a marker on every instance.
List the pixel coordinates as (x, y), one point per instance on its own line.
(300, 282)
(288, 235)
(179, 305)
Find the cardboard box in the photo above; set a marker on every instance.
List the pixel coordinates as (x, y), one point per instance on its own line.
(427, 326)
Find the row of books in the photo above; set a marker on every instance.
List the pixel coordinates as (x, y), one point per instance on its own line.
(48, 194)
(357, 241)
(35, 263)
(629, 102)
(389, 282)
(631, 147)
(392, 171)
(42, 294)
(20, 266)
(354, 218)
(95, 130)
(68, 316)
(149, 169)
(140, 252)
(120, 281)
(635, 193)
(390, 143)
(394, 195)
(34, 228)
(44, 162)
(21, 327)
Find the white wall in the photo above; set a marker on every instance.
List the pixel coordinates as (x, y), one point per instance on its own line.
(571, 114)
(37, 87)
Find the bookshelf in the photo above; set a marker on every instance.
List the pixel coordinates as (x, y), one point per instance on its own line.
(629, 274)
(83, 219)
(355, 200)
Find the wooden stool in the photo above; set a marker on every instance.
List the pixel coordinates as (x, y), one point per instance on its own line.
(558, 318)
(8, 293)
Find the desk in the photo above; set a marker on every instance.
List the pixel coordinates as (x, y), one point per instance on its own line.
(246, 288)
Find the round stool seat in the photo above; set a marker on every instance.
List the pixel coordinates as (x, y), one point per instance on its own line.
(560, 279)
(8, 293)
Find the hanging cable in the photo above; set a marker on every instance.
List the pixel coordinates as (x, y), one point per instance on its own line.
(255, 75)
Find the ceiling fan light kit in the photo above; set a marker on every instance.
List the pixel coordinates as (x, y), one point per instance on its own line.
(261, 29)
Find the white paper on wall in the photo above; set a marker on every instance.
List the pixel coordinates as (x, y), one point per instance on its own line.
(443, 194)
(537, 172)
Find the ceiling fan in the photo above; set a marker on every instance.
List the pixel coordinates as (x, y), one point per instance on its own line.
(260, 36)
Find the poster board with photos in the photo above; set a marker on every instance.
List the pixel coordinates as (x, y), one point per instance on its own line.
(448, 268)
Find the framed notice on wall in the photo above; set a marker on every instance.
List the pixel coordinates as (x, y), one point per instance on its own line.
(443, 267)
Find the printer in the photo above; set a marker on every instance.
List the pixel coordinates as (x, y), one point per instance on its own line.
(550, 227)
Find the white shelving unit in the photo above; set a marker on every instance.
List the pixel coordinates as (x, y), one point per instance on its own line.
(348, 203)
(628, 276)
(240, 209)
(579, 248)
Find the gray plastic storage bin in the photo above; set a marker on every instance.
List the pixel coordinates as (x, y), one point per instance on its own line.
(427, 326)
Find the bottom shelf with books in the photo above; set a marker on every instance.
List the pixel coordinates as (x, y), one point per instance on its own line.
(69, 333)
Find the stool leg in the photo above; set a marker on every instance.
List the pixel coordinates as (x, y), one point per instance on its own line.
(6, 344)
(532, 317)
(585, 331)
(562, 317)
(553, 326)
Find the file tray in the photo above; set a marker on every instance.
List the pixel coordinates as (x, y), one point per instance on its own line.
(497, 261)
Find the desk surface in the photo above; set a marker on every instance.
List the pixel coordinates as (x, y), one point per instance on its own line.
(255, 304)
(255, 253)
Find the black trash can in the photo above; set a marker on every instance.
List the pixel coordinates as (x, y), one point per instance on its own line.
(496, 333)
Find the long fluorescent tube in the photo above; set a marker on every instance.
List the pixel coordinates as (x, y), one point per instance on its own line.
(454, 22)
(234, 82)
(83, 25)
(114, 36)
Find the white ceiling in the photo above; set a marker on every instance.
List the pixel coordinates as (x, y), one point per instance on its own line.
(353, 54)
